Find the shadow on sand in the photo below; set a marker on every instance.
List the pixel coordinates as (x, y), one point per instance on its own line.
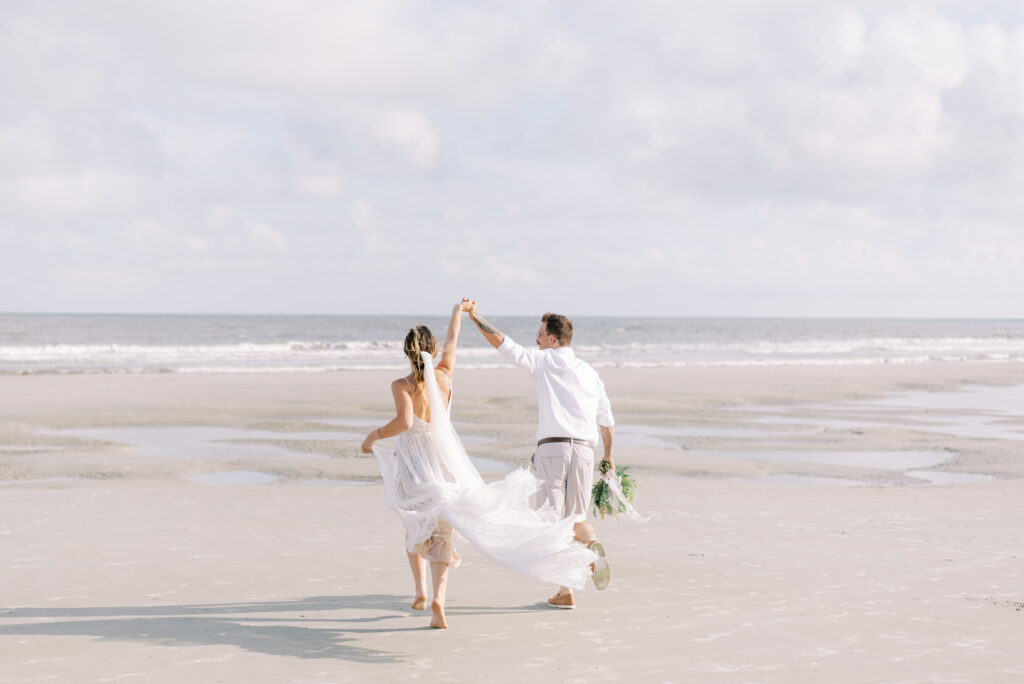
(250, 626)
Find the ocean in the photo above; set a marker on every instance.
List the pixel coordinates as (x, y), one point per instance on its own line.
(140, 343)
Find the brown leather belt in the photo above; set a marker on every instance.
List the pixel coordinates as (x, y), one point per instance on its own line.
(569, 440)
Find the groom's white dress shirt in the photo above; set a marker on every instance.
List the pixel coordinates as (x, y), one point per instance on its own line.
(570, 395)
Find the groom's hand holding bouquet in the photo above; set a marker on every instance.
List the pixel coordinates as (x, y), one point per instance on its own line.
(614, 492)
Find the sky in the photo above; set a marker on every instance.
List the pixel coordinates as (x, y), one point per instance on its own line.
(737, 158)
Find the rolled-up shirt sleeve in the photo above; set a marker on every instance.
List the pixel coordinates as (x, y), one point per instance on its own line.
(527, 359)
(604, 408)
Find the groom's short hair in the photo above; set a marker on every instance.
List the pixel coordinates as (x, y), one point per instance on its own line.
(559, 326)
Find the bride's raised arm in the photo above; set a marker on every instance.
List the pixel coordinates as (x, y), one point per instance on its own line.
(451, 339)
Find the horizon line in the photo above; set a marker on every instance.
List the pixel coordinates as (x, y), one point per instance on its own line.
(520, 315)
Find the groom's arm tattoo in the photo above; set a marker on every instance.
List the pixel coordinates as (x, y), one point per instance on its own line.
(484, 326)
(490, 333)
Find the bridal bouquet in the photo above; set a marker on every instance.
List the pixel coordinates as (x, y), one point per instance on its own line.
(613, 495)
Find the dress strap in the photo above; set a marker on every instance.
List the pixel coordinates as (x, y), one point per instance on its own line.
(407, 384)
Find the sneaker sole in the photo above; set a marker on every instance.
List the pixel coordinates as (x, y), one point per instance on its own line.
(602, 573)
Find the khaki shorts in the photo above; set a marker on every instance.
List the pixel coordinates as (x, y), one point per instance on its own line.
(567, 473)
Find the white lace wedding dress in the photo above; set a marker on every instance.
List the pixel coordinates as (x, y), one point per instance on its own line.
(429, 478)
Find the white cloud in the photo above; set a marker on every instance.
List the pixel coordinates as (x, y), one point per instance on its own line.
(266, 239)
(734, 158)
(411, 134)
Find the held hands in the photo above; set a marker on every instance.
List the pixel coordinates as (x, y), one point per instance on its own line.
(466, 305)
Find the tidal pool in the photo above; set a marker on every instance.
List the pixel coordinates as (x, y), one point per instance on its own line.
(938, 477)
(209, 443)
(792, 479)
(234, 478)
(883, 460)
(973, 411)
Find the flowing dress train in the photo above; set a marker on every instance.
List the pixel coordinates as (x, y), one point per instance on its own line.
(430, 482)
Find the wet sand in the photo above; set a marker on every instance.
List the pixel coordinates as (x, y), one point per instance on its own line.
(166, 528)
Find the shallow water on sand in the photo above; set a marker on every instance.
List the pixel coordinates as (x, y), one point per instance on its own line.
(224, 444)
(209, 443)
(884, 460)
(938, 477)
(650, 436)
(234, 478)
(792, 479)
(974, 411)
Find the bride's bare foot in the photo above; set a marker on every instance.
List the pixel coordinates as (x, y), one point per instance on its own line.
(438, 621)
(420, 603)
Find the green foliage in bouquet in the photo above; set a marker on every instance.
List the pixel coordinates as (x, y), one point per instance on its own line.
(601, 496)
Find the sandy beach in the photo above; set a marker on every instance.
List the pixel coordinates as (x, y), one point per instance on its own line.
(807, 524)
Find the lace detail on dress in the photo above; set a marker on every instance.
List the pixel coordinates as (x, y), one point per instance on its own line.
(418, 425)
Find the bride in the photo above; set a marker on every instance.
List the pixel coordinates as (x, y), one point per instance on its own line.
(431, 483)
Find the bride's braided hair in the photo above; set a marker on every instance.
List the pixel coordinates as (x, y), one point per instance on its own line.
(419, 339)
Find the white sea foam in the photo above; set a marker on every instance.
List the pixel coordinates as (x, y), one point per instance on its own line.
(283, 344)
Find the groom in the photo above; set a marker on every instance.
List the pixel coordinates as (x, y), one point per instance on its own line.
(573, 406)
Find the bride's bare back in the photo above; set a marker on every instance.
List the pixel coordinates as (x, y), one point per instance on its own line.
(418, 394)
